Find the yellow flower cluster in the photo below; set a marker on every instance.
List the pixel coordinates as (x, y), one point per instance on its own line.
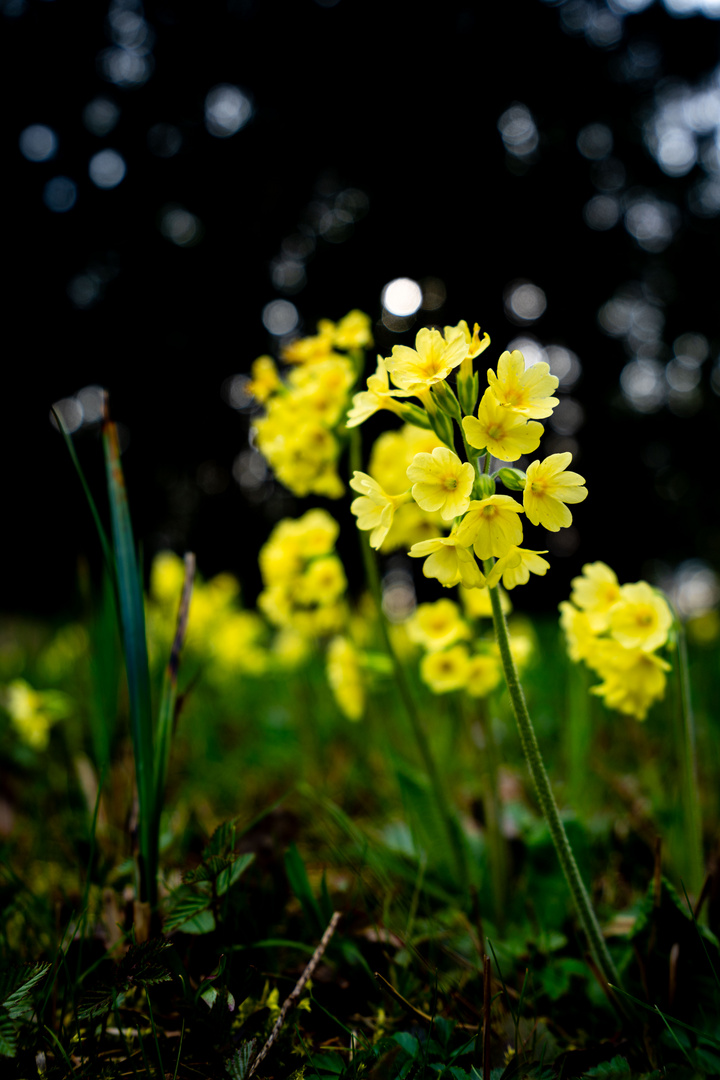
(345, 676)
(300, 433)
(481, 524)
(454, 658)
(33, 712)
(224, 636)
(304, 580)
(616, 630)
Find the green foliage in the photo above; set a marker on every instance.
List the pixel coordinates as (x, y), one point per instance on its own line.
(142, 965)
(16, 987)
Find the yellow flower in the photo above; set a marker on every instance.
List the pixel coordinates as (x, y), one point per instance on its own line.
(308, 350)
(437, 625)
(353, 331)
(393, 452)
(441, 481)
(641, 619)
(477, 602)
(265, 379)
(445, 671)
(579, 632)
(33, 712)
(451, 562)
(526, 391)
(323, 582)
(320, 390)
(374, 509)
(501, 430)
(595, 592)
(632, 678)
(345, 677)
(377, 396)
(491, 526)
(474, 343)
(483, 674)
(518, 573)
(548, 487)
(431, 361)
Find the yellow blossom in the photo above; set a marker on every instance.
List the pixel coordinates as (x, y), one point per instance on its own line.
(518, 573)
(641, 619)
(445, 671)
(525, 391)
(507, 434)
(353, 331)
(579, 632)
(548, 487)
(377, 396)
(33, 712)
(451, 562)
(441, 482)
(323, 582)
(595, 592)
(265, 379)
(491, 526)
(374, 509)
(430, 362)
(632, 678)
(308, 350)
(393, 452)
(410, 526)
(475, 344)
(477, 602)
(437, 625)
(484, 673)
(345, 677)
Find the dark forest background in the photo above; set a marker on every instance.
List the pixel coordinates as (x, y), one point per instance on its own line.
(471, 147)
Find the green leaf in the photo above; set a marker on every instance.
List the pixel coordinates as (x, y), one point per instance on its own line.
(615, 1069)
(237, 1066)
(408, 1042)
(187, 905)
(8, 1034)
(16, 984)
(202, 923)
(228, 878)
(300, 885)
(145, 964)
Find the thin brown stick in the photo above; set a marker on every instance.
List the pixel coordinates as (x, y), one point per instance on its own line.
(296, 992)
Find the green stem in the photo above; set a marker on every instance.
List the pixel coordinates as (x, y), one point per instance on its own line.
(686, 749)
(583, 907)
(497, 849)
(403, 685)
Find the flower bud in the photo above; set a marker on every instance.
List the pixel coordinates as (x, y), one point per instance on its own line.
(512, 479)
(467, 391)
(484, 486)
(446, 400)
(412, 414)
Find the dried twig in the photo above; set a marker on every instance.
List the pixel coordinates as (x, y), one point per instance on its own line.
(297, 991)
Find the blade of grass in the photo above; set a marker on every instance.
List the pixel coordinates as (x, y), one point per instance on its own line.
(680, 1045)
(166, 716)
(132, 620)
(154, 1031)
(702, 940)
(104, 542)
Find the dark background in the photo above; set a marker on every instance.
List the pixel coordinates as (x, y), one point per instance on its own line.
(403, 108)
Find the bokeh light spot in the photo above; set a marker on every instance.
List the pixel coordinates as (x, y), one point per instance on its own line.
(60, 194)
(595, 141)
(100, 116)
(280, 317)
(107, 169)
(524, 302)
(227, 109)
(70, 413)
(643, 385)
(518, 131)
(164, 140)
(402, 297)
(38, 143)
(601, 212)
(180, 226)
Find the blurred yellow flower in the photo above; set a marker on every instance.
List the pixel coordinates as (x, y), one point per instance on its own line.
(345, 677)
(507, 434)
(441, 482)
(548, 487)
(632, 678)
(595, 592)
(445, 671)
(265, 379)
(484, 673)
(477, 602)
(525, 391)
(518, 573)
(641, 619)
(33, 712)
(437, 625)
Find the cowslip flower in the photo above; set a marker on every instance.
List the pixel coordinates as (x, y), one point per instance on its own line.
(345, 677)
(475, 344)
(579, 632)
(548, 487)
(632, 678)
(641, 619)
(374, 509)
(507, 434)
(445, 671)
(595, 592)
(491, 526)
(377, 396)
(526, 391)
(451, 562)
(441, 481)
(437, 625)
(515, 567)
(484, 673)
(430, 362)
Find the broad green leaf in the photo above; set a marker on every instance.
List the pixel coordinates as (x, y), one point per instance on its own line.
(8, 1034)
